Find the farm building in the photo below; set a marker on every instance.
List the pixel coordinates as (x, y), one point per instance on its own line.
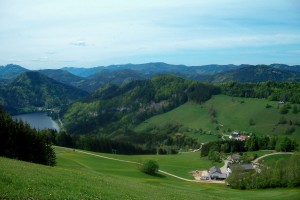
(215, 173)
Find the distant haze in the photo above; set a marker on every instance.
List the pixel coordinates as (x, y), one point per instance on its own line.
(55, 34)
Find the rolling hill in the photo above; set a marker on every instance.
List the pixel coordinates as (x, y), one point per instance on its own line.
(232, 114)
(32, 91)
(62, 76)
(113, 106)
(258, 73)
(11, 71)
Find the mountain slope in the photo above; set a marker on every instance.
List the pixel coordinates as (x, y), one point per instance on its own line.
(32, 91)
(114, 106)
(105, 76)
(258, 73)
(230, 115)
(11, 71)
(82, 72)
(62, 76)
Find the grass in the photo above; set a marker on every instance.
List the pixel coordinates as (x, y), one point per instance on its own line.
(181, 164)
(81, 176)
(232, 114)
(271, 160)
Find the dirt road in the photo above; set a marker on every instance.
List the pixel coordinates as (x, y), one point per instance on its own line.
(257, 159)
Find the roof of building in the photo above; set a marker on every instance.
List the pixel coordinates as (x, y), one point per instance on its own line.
(214, 169)
(234, 157)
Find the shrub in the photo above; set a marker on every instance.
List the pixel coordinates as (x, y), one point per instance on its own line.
(251, 122)
(268, 106)
(149, 167)
(284, 110)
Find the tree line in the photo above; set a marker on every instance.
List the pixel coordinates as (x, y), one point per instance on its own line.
(165, 139)
(254, 143)
(19, 141)
(100, 144)
(273, 91)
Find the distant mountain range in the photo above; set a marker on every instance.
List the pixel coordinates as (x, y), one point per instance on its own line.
(90, 79)
(254, 74)
(11, 71)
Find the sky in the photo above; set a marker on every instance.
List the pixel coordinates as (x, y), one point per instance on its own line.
(39, 34)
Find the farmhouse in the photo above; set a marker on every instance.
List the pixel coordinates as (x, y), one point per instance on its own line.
(234, 135)
(215, 173)
(234, 157)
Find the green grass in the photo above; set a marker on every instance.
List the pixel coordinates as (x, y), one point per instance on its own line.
(233, 114)
(271, 160)
(81, 176)
(181, 164)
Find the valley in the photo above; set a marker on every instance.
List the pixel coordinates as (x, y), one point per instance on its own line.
(115, 119)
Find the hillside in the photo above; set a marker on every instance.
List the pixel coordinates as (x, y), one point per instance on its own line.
(11, 71)
(258, 73)
(232, 114)
(32, 91)
(62, 76)
(88, 177)
(104, 77)
(115, 106)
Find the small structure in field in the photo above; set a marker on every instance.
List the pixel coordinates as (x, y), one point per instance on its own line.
(234, 135)
(234, 157)
(215, 173)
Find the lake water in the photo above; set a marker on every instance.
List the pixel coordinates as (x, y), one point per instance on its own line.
(38, 120)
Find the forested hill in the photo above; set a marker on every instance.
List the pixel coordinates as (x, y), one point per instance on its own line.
(11, 71)
(113, 107)
(62, 76)
(258, 73)
(32, 91)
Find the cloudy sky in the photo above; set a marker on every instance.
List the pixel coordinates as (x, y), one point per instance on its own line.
(52, 34)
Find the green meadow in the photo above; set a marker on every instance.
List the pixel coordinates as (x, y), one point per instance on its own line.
(232, 114)
(271, 160)
(82, 176)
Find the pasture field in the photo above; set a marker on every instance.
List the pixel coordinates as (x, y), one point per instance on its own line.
(232, 114)
(271, 160)
(82, 176)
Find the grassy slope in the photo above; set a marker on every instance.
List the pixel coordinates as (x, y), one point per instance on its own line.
(271, 160)
(231, 113)
(80, 176)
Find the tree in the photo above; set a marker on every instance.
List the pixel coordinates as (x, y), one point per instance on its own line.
(149, 167)
(251, 122)
(284, 110)
(295, 109)
(18, 140)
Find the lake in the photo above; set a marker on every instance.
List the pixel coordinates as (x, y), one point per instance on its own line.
(38, 120)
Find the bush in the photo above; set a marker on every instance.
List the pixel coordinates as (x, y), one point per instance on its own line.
(268, 106)
(149, 167)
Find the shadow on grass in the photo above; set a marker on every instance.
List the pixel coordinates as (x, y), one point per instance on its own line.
(156, 175)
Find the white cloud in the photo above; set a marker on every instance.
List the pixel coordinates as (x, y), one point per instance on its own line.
(116, 28)
(79, 43)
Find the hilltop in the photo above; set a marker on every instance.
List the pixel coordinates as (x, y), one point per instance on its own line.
(32, 91)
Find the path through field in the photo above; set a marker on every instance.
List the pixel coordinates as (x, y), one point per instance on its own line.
(270, 154)
(161, 171)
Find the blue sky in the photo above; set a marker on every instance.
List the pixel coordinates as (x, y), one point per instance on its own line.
(52, 34)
